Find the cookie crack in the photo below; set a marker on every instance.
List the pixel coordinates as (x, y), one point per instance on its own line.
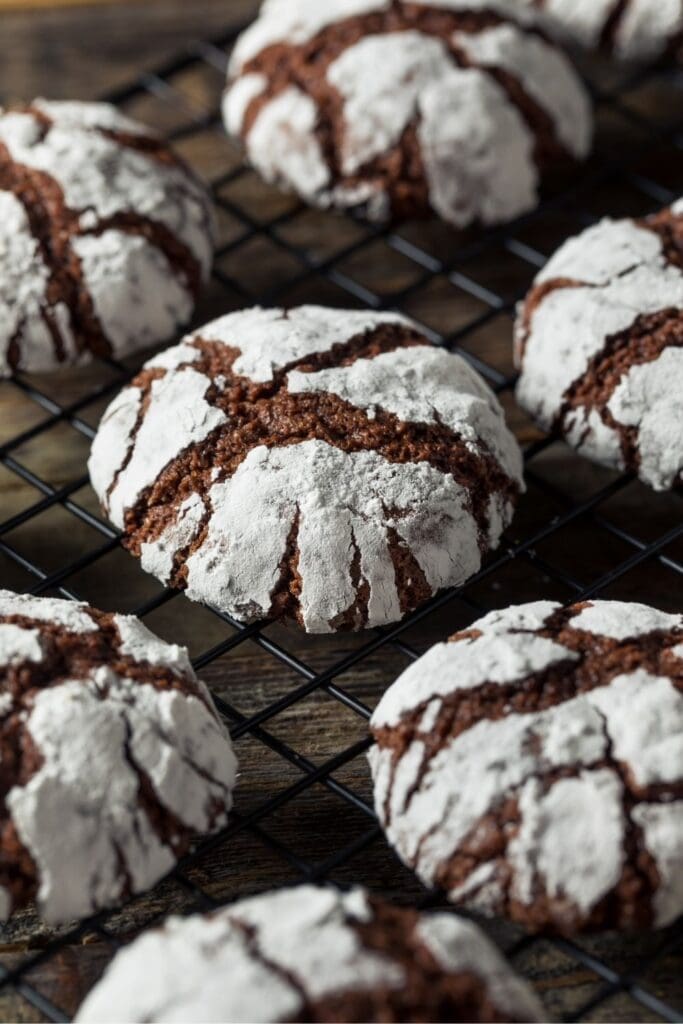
(251, 939)
(52, 227)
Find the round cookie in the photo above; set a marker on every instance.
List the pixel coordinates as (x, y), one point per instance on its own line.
(631, 30)
(311, 954)
(323, 465)
(112, 757)
(599, 343)
(532, 766)
(105, 236)
(404, 109)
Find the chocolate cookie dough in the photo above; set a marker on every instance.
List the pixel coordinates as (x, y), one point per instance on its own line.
(105, 236)
(532, 766)
(599, 343)
(317, 464)
(311, 954)
(111, 756)
(404, 109)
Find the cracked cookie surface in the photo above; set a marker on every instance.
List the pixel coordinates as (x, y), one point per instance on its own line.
(323, 465)
(105, 236)
(111, 757)
(599, 343)
(404, 109)
(631, 30)
(312, 954)
(532, 766)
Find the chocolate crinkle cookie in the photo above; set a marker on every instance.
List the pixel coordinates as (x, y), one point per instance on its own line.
(404, 109)
(532, 766)
(311, 954)
(105, 236)
(599, 342)
(317, 464)
(630, 30)
(111, 756)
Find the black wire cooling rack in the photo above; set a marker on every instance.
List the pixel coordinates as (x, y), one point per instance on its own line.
(301, 704)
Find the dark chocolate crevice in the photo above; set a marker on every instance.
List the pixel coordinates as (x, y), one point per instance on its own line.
(613, 23)
(643, 342)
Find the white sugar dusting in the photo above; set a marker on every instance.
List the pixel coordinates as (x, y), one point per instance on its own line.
(138, 297)
(544, 72)
(643, 32)
(267, 340)
(476, 147)
(72, 615)
(80, 815)
(621, 620)
(354, 511)
(178, 416)
(614, 273)
(570, 843)
(259, 958)
(421, 385)
(283, 145)
(18, 645)
(338, 497)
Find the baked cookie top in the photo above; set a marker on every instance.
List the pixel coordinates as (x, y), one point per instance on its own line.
(105, 236)
(312, 954)
(326, 465)
(634, 30)
(599, 342)
(532, 766)
(406, 108)
(112, 757)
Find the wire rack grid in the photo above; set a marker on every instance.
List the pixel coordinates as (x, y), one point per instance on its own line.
(297, 707)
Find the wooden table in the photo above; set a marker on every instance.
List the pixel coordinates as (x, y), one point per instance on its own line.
(84, 52)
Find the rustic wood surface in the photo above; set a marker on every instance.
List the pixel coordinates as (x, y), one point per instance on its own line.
(88, 51)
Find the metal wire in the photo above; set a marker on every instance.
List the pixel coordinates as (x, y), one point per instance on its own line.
(455, 265)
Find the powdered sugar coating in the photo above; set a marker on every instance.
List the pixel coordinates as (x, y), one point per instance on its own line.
(72, 615)
(133, 288)
(18, 645)
(389, 83)
(267, 958)
(621, 621)
(600, 289)
(79, 813)
(160, 437)
(430, 388)
(269, 339)
(643, 31)
(344, 510)
(345, 499)
(565, 767)
(134, 229)
(544, 73)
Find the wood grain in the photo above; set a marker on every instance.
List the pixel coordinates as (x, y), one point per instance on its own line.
(82, 53)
